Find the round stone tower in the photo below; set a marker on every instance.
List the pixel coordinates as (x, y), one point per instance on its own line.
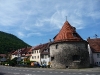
(69, 50)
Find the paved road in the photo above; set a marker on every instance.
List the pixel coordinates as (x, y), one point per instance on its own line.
(6, 70)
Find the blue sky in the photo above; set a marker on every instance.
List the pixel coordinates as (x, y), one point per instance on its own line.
(37, 21)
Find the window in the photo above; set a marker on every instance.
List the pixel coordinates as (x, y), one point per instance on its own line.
(97, 63)
(98, 55)
(46, 50)
(35, 57)
(38, 57)
(56, 46)
(32, 57)
(45, 56)
(75, 34)
(52, 58)
(41, 56)
(29, 52)
(37, 51)
(76, 57)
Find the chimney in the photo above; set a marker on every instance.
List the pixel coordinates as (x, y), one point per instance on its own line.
(88, 37)
(49, 40)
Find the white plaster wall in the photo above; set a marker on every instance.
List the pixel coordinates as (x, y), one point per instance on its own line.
(13, 56)
(96, 59)
(35, 54)
(47, 60)
(90, 54)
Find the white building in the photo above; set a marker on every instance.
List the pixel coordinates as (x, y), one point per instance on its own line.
(94, 51)
(35, 56)
(40, 54)
(45, 55)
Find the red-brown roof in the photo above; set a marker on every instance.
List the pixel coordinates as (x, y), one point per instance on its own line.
(45, 47)
(42, 47)
(26, 50)
(2, 55)
(23, 51)
(15, 52)
(94, 44)
(38, 47)
(67, 33)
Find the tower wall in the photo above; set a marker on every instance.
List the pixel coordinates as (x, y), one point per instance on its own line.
(69, 55)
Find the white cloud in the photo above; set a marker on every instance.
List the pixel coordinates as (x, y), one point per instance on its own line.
(32, 34)
(20, 34)
(32, 17)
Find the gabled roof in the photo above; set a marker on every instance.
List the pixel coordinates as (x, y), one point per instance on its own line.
(38, 47)
(26, 50)
(15, 52)
(22, 51)
(67, 33)
(42, 47)
(94, 44)
(45, 47)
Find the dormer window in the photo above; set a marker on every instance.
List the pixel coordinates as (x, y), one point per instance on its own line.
(75, 34)
(46, 50)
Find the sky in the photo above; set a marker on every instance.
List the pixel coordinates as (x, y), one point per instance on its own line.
(37, 21)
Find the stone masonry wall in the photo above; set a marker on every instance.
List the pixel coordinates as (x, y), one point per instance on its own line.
(69, 54)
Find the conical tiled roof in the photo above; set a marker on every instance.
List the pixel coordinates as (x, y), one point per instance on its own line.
(67, 33)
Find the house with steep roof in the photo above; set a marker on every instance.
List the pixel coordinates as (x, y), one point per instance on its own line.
(36, 53)
(26, 52)
(40, 54)
(94, 51)
(22, 53)
(45, 55)
(14, 54)
(68, 49)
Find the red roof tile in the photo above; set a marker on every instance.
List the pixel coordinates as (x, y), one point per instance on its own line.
(26, 50)
(94, 44)
(2, 55)
(15, 52)
(67, 33)
(38, 47)
(42, 47)
(45, 47)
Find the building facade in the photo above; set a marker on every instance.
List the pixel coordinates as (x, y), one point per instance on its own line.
(94, 51)
(40, 54)
(69, 50)
(45, 55)
(36, 54)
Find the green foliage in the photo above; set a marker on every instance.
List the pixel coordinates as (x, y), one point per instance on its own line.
(9, 42)
(13, 62)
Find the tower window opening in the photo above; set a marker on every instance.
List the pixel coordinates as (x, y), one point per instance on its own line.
(76, 57)
(56, 46)
(52, 58)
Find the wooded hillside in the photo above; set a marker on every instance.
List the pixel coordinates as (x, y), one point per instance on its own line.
(9, 42)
